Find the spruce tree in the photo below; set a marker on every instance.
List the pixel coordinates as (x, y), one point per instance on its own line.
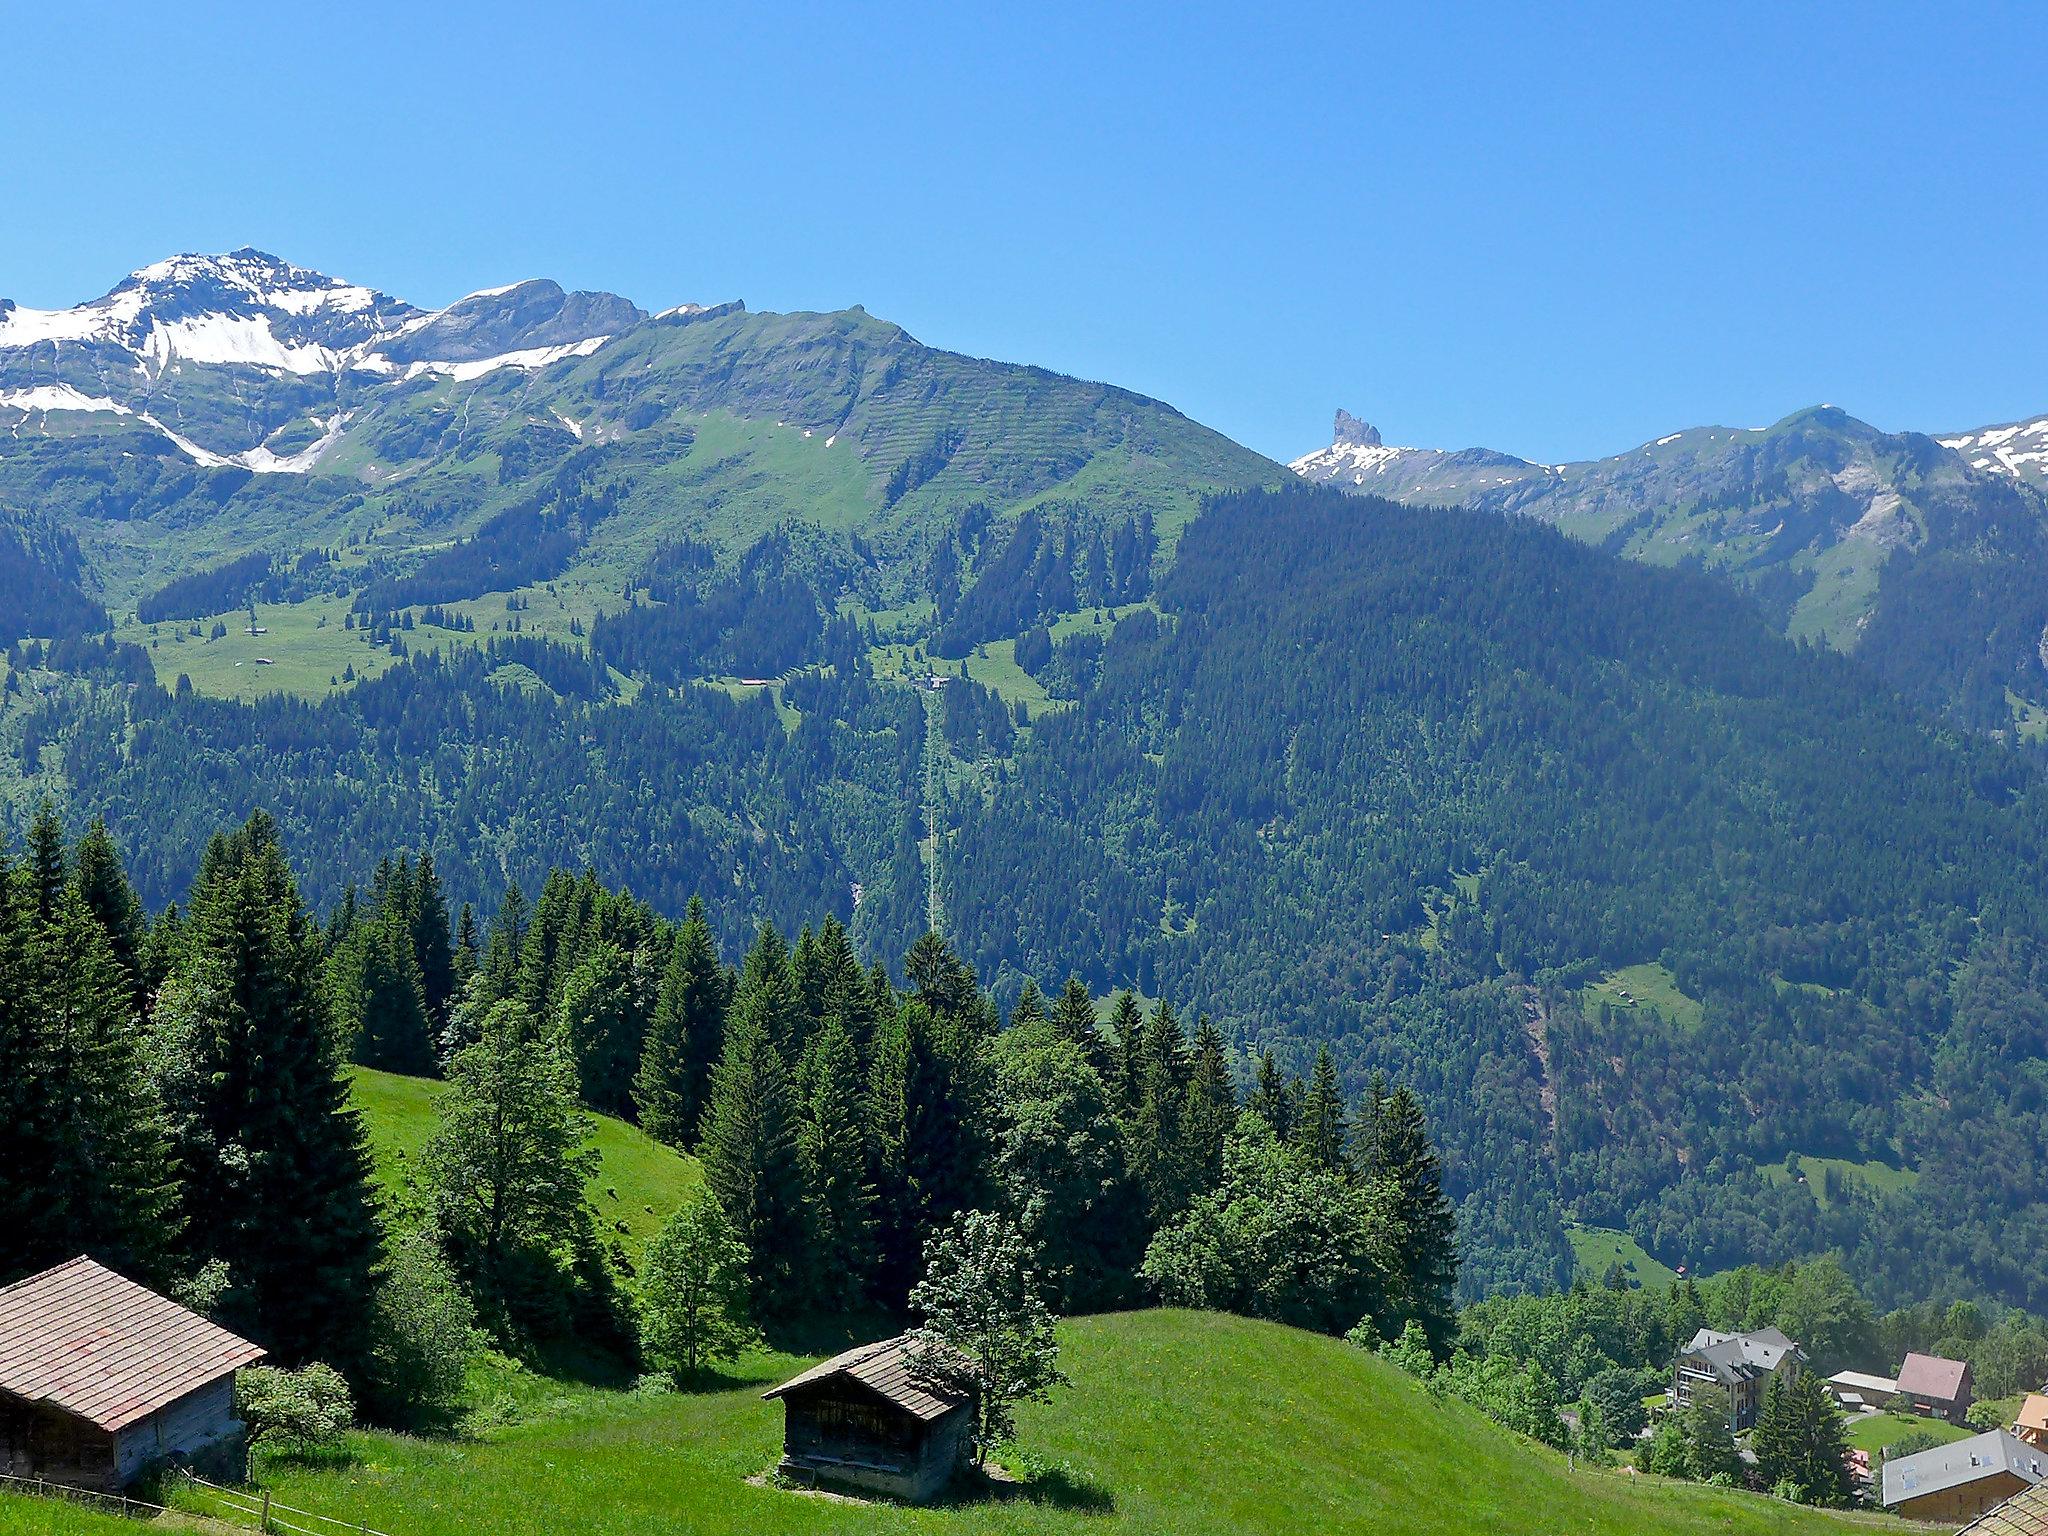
(1427, 1262)
(750, 1156)
(832, 1141)
(767, 986)
(1320, 1137)
(30, 1199)
(1127, 1040)
(428, 916)
(1074, 1017)
(377, 1000)
(467, 956)
(276, 1170)
(1269, 1100)
(604, 1021)
(48, 869)
(685, 1036)
(103, 885)
(1211, 1111)
(1030, 1006)
(108, 1152)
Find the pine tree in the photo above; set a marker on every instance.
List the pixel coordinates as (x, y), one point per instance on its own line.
(428, 915)
(767, 986)
(832, 1141)
(685, 1036)
(604, 1024)
(1269, 1097)
(504, 945)
(750, 1156)
(1798, 1440)
(1427, 1263)
(103, 885)
(1030, 1006)
(48, 870)
(110, 1160)
(376, 998)
(276, 1170)
(1320, 1136)
(1127, 1038)
(30, 1199)
(1074, 1017)
(1211, 1112)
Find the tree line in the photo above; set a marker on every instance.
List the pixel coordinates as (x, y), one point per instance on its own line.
(182, 1079)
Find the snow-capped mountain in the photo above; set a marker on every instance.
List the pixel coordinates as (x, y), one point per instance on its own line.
(2019, 449)
(246, 359)
(1358, 460)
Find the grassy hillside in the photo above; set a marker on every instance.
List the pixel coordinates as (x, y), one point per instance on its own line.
(638, 1184)
(1177, 1422)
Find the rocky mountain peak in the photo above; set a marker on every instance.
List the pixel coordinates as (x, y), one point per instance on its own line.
(1354, 433)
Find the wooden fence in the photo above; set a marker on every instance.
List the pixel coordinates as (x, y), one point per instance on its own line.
(256, 1508)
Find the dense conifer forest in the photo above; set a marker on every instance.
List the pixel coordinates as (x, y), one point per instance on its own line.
(178, 1106)
(1422, 787)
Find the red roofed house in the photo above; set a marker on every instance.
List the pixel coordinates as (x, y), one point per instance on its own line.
(864, 1419)
(100, 1377)
(1937, 1388)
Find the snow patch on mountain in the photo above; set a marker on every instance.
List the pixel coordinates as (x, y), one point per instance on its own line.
(528, 358)
(58, 397)
(2019, 449)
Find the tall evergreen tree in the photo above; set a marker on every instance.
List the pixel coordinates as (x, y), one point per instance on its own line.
(1029, 1007)
(1427, 1265)
(1210, 1114)
(275, 1166)
(29, 1197)
(1321, 1135)
(685, 1037)
(428, 914)
(103, 885)
(604, 1020)
(1269, 1100)
(750, 1155)
(1074, 1017)
(376, 998)
(832, 1142)
(109, 1156)
(767, 987)
(1127, 1040)
(48, 870)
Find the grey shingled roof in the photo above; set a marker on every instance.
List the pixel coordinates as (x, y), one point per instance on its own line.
(884, 1368)
(1964, 1461)
(99, 1347)
(1735, 1356)
(1932, 1376)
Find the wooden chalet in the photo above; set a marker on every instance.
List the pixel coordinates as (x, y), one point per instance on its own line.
(1937, 1388)
(101, 1377)
(863, 1420)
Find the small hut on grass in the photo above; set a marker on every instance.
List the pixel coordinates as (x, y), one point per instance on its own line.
(863, 1420)
(101, 1377)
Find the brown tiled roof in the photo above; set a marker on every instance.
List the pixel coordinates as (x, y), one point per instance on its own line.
(2024, 1514)
(884, 1368)
(83, 1340)
(1933, 1377)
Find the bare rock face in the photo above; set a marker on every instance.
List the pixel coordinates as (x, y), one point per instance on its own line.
(1355, 433)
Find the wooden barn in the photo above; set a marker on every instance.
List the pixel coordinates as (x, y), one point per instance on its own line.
(101, 1377)
(861, 1419)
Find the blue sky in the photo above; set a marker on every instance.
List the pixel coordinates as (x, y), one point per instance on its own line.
(1554, 231)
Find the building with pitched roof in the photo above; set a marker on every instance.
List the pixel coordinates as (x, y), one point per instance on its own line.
(101, 1377)
(1964, 1479)
(1740, 1364)
(1937, 1388)
(2031, 1425)
(866, 1420)
(2024, 1514)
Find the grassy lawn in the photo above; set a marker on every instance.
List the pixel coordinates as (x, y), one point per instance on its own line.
(1177, 1422)
(1881, 1177)
(1643, 989)
(1594, 1248)
(639, 1181)
(1873, 1432)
